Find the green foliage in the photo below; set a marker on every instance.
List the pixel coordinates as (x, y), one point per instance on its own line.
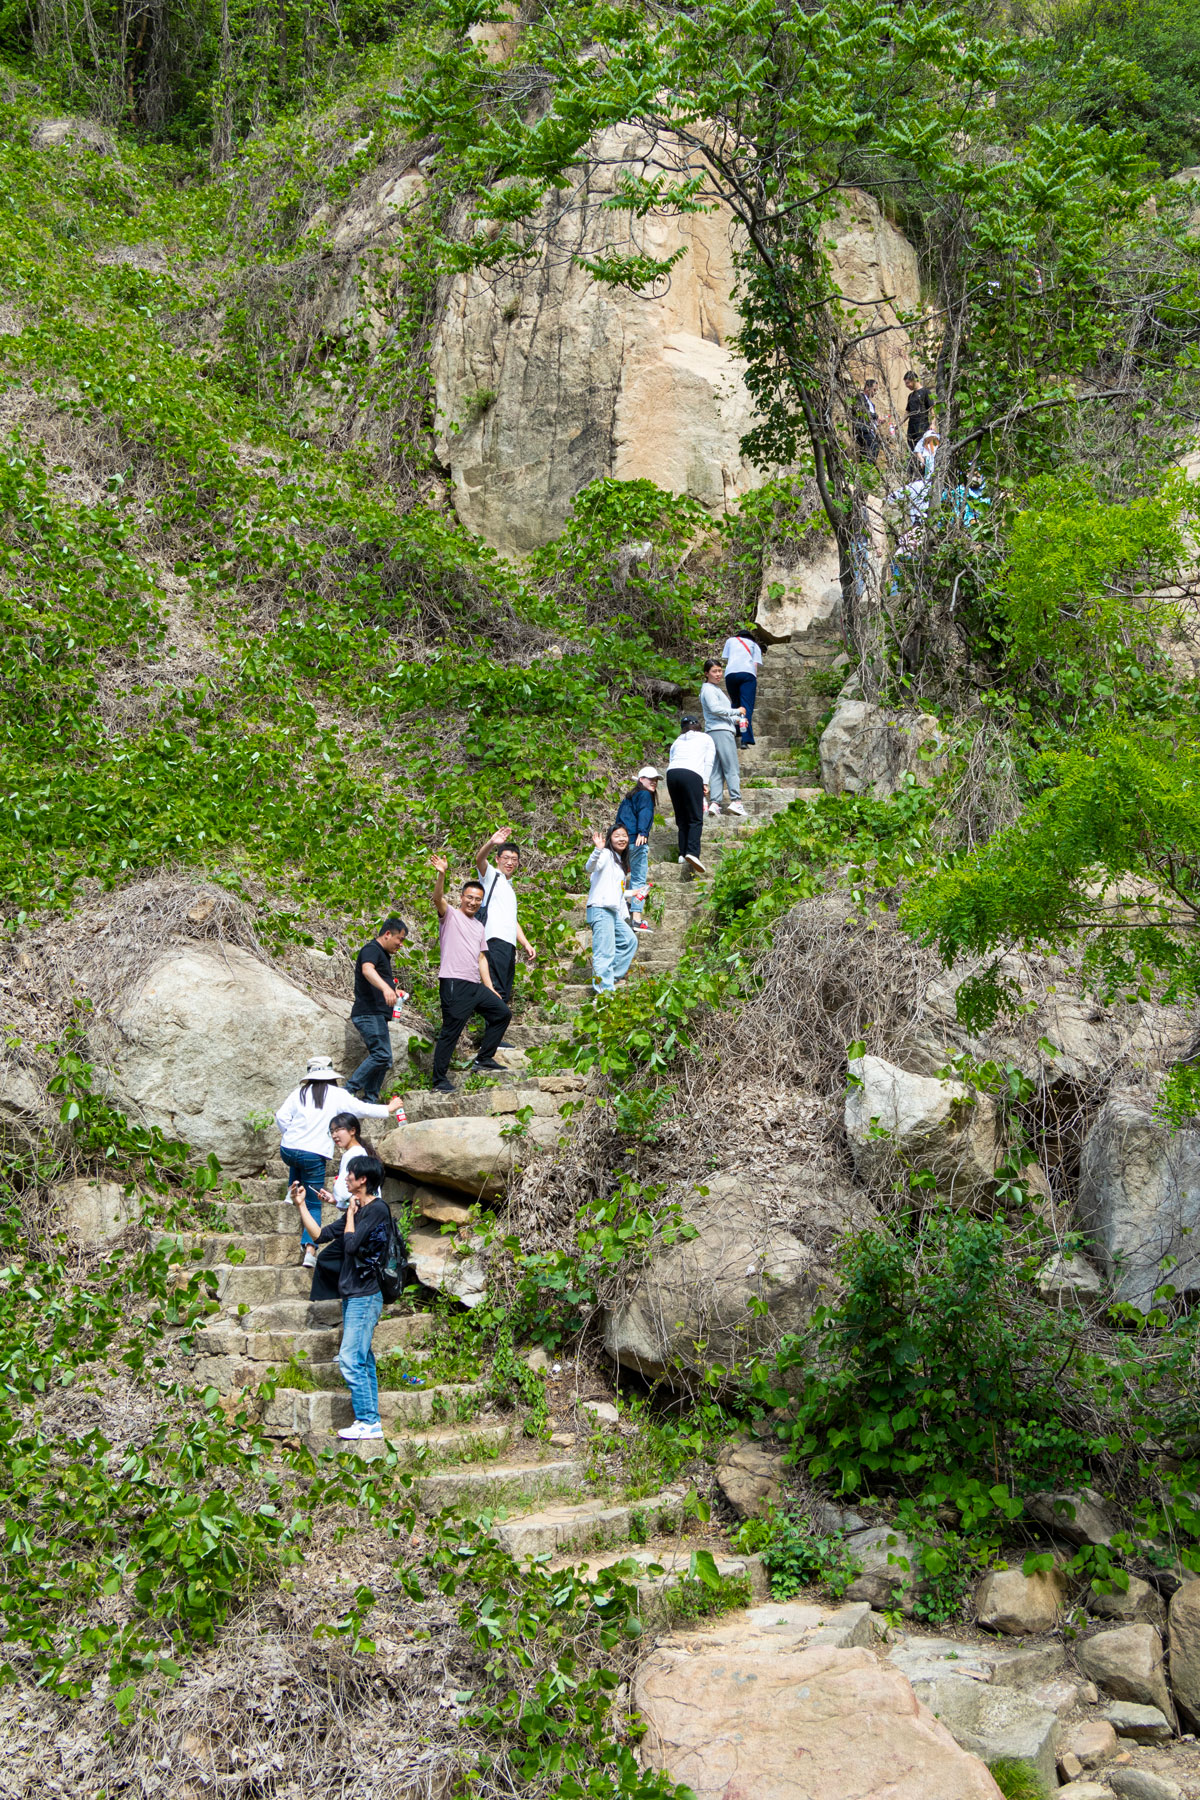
(928, 1369)
(1137, 67)
(1077, 585)
(704, 1593)
(1125, 807)
(1017, 1780)
(796, 1555)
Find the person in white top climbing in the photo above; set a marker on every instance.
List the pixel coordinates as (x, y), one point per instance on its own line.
(688, 770)
(614, 942)
(722, 722)
(499, 913)
(306, 1145)
(743, 659)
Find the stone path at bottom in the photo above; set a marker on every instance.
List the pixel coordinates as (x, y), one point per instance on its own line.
(462, 1454)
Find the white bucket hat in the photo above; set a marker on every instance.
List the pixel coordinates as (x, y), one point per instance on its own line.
(649, 773)
(320, 1068)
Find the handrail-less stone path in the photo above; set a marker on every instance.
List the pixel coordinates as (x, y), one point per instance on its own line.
(462, 1454)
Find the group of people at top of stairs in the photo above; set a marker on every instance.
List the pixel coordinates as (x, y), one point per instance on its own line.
(702, 769)
(913, 496)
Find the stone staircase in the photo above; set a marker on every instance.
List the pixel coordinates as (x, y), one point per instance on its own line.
(462, 1453)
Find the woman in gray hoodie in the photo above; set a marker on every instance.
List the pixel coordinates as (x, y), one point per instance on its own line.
(722, 721)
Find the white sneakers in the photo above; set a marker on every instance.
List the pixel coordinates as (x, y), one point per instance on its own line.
(735, 806)
(310, 1257)
(714, 808)
(693, 862)
(360, 1429)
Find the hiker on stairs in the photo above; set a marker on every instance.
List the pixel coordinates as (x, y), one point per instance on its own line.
(364, 1231)
(465, 984)
(688, 770)
(636, 814)
(614, 943)
(306, 1145)
(743, 659)
(499, 913)
(722, 722)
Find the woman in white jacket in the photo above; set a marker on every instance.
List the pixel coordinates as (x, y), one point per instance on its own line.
(688, 772)
(614, 941)
(306, 1144)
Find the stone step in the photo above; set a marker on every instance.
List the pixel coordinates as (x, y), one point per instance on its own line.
(596, 1523)
(258, 1284)
(318, 1345)
(275, 1218)
(206, 1249)
(297, 1412)
(499, 1485)
(441, 1444)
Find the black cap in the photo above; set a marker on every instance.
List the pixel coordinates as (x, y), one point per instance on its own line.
(689, 722)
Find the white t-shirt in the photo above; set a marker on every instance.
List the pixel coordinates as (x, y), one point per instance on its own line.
(741, 656)
(341, 1187)
(695, 751)
(305, 1128)
(501, 906)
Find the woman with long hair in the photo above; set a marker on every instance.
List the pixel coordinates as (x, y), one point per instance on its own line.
(348, 1138)
(614, 942)
(305, 1143)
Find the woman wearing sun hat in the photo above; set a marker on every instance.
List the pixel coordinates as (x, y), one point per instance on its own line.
(636, 814)
(306, 1144)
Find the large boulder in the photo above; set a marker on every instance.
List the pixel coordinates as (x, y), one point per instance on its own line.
(795, 596)
(691, 1306)
(1184, 1624)
(93, 1211)
(868, 750)
(739, 1714)
(916, 1120)
(209, 1038)
(991, 1718)
(1128, 1665)
(750, 1478)
(1139, 1198)
(1020, 1605)
(473, 1155)
(547, 379)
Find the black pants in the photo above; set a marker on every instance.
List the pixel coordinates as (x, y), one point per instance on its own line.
(687, 797)
(459, 1000)
(502, 961)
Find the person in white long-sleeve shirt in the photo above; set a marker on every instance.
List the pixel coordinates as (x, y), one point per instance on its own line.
(614, 941)
(689, 768)
(305, 1141)
(722, 721)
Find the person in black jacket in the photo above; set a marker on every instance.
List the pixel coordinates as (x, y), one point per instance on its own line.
(918, 409)
(363, 1231)
(636, 814)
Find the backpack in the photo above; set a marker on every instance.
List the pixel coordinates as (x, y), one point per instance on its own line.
(394, 1267)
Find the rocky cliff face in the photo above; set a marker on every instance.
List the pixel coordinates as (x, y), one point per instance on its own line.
(546, 379)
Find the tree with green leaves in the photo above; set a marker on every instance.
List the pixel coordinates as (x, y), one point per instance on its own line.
(778, 113)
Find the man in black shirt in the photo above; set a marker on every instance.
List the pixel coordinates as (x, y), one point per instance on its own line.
(371, 1013)
(920, 405)
(364, 1230)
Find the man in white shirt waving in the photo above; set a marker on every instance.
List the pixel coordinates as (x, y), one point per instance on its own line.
(500, 904)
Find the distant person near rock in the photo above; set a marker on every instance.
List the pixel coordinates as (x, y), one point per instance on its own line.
(918, 409)
(499, 913)
(743, 659)
(614, 942)
(306, 1145)
(636, 814)
(375, 998)
(364, 1233)
(465, 982)
(864, 424)
(688, 770)
(722, 722)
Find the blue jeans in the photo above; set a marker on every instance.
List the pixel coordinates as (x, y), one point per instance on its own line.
(367, 1079)
(356, 1359)
(639, 874)
(741, 690)
(308, 1167)
(614, 946)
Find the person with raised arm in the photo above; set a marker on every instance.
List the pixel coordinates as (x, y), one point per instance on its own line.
(499, 914)
(465, 984)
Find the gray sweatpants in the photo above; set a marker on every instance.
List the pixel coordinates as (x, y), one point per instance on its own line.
(725, 769)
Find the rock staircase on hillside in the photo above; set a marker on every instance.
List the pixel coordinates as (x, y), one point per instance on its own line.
(462, 1453)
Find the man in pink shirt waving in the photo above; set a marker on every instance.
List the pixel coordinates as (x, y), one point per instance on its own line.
(464, 981)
